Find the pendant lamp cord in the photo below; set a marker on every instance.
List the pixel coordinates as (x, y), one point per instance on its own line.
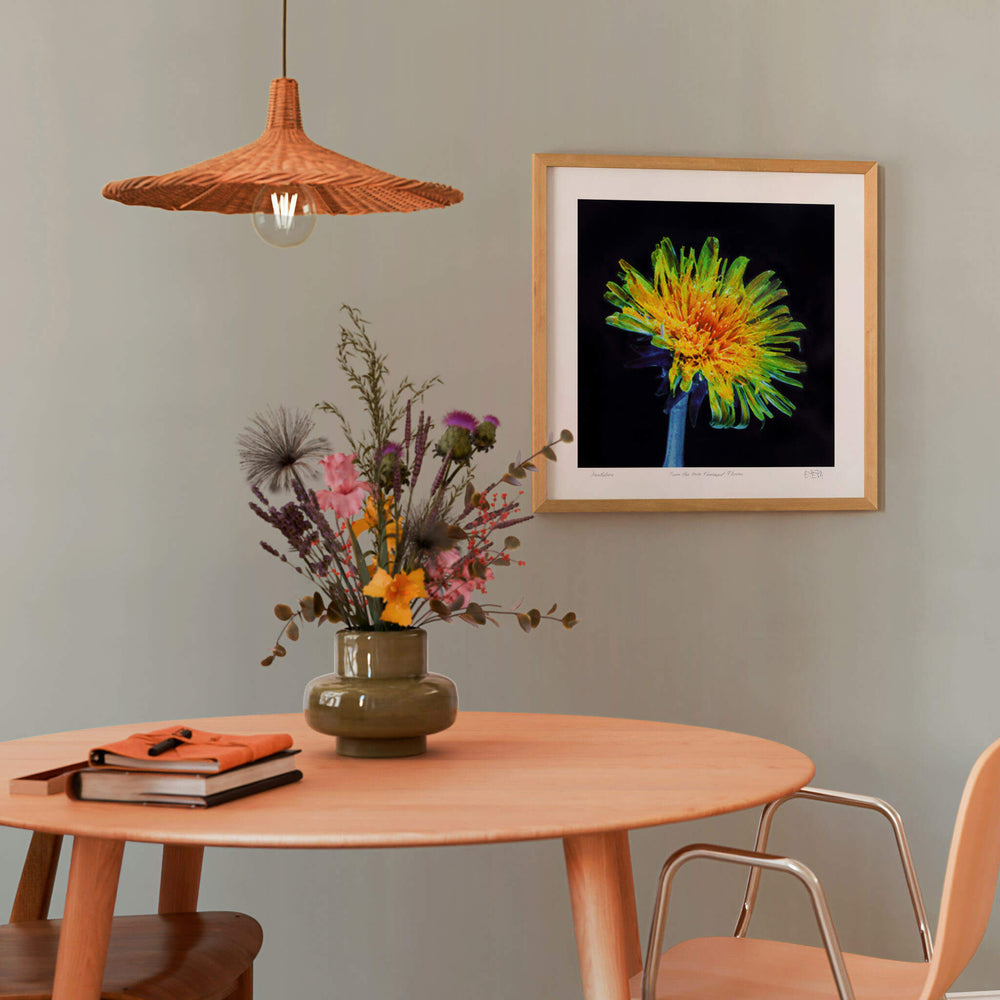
(284, 36)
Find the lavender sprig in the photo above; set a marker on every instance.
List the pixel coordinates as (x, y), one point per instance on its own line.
(406, 430)
(420, 446)
(307, 498)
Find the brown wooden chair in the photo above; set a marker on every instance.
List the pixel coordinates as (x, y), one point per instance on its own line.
(174, 956)
(741, 968)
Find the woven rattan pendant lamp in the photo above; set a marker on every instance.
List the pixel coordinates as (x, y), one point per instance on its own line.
(283, 179)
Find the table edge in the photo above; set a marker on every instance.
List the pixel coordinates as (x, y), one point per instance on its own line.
(396, 839)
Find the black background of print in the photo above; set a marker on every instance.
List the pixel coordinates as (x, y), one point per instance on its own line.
(620, 422)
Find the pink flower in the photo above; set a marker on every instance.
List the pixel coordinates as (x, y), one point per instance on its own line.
(446, 579)
(449, 580)
(346, 493)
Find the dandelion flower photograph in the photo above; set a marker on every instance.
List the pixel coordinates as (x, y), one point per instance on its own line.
(705, 334)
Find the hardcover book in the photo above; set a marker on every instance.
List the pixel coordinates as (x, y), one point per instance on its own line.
(192, 750)
(95, 785)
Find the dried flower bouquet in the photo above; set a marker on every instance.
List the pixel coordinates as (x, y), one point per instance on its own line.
(380, 551)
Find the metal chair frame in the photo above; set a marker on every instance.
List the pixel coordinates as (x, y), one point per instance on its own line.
(757, 860)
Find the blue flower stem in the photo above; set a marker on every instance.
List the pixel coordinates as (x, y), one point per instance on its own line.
(676, 425)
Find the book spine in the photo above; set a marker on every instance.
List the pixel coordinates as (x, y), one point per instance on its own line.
(73, 785)
(205, 801)
(252, 789)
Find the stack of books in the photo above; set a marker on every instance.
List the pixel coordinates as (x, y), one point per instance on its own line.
(185, 767)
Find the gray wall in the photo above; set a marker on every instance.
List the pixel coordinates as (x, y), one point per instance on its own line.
(137, 342)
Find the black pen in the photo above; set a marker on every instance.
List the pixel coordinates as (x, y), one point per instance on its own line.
(169, 743)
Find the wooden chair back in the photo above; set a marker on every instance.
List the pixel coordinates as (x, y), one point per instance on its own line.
(971, 876)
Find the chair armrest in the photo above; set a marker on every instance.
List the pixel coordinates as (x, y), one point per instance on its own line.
(756, 860)
(842, 799)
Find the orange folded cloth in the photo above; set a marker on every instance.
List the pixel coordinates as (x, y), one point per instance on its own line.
(218, 751)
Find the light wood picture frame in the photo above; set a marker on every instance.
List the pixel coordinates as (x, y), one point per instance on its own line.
(708, 329)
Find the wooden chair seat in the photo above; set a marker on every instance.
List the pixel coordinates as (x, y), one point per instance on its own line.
(180, 956)
(731, 968)
(741, 968)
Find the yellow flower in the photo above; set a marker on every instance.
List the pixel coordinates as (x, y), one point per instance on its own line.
(369, 521)
(369, 518)
(710, 333)
(397, 592)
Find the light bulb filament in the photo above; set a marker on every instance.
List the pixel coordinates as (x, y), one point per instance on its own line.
(284, 209)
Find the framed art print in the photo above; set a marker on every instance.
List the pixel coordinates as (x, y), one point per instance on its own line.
(708, 328)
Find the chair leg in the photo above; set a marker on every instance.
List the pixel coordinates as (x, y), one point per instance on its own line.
(34, 891)
(87, 916)
(244, 987)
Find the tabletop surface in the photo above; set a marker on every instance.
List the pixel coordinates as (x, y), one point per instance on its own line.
(491, 777)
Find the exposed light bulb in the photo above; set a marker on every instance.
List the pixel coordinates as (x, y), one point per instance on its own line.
(284, 209)
(284, 215)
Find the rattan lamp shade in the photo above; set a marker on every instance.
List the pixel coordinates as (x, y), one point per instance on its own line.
(283, 154)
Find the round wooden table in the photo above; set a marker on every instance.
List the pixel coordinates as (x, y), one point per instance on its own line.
(492, 777)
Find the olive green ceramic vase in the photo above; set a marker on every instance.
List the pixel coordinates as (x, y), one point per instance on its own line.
(380, 701)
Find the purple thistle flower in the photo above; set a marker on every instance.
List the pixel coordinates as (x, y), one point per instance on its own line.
(389, 468)
(460, 418)
(485, 434)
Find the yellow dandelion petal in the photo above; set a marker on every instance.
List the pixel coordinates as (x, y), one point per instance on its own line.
(710, 333)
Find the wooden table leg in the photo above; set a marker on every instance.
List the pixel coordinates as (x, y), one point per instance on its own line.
(34, 891)
(86, 927)
(607, 936)
(626, 885)
(180, 878)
